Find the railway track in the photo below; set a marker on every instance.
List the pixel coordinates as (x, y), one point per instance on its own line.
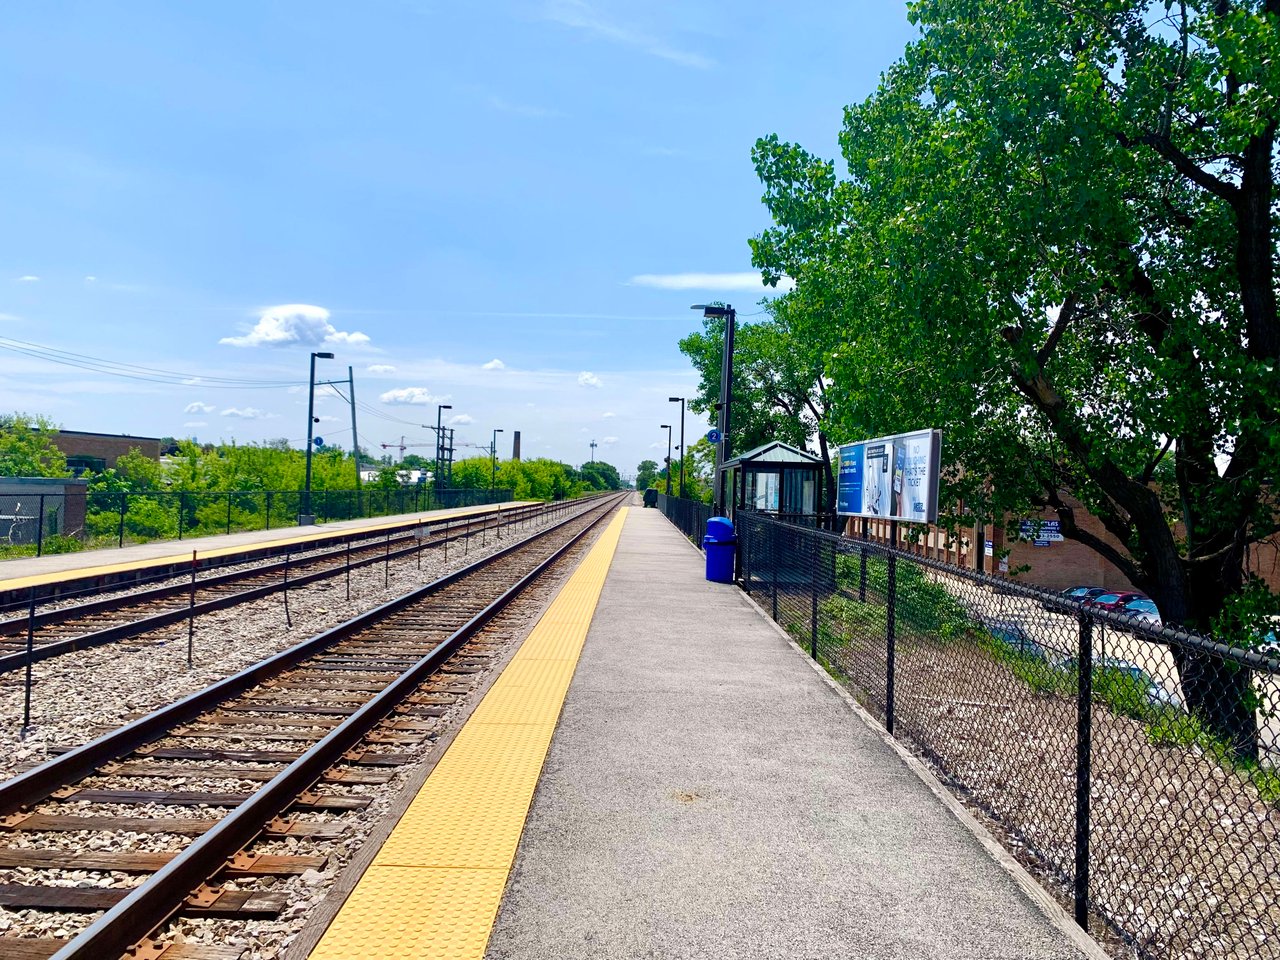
(91, 623)
(278, 754)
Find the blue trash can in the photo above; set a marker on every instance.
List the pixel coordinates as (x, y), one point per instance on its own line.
(719, 545)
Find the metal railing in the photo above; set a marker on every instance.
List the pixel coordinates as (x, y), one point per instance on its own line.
(36, 524)
(1131, 769)
(690, 516)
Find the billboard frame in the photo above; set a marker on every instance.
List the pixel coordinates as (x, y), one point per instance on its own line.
(872, 474)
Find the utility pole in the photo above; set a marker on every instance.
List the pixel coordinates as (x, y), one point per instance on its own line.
(355, 438)
(440, 408)
(493, 459)
(305, 516)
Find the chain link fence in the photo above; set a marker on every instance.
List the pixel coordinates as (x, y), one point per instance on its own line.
(36, 524)
(690, 516)
(1129, 767)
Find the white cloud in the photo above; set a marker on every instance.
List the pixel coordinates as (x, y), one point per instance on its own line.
(28, 278)
(461, 420)
(380, 368)
(246, 413)
(325, 418)
(197, 407)
(657, 445)
(609, 441)
(588, 379)
(192, 381)
(608, 415)
(91, 280)
(494, 364)
(750, 281)
(414, 395)
(195, 423)
(579, 15)
(295, 323)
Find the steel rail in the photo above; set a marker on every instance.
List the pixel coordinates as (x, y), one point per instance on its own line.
(37, 784)
(113, 634)
(156, 900)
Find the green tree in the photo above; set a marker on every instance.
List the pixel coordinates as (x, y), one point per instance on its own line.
(1057, 241)
(27, 449)
(601, 475)
(779, 391)
(646, 474)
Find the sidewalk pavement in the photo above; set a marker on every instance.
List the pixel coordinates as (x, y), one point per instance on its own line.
(709, 795)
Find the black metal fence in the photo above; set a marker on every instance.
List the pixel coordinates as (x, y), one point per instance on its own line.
(32, 525)
(690, 516)
(1130, 769)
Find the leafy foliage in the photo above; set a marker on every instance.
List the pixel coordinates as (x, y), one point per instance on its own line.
(27, 449)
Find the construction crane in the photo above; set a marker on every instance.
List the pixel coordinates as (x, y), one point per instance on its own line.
(402, 446)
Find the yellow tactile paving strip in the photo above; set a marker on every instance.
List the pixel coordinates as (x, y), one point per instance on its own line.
(433, 890)
(319, 534)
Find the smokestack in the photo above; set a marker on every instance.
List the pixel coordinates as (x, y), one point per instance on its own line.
(515, 445)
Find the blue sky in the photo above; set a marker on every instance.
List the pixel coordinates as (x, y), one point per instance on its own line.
(423, 188)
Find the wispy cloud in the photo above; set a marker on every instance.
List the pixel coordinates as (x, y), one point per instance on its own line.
(28, 278)
(609, 441)
(290, 324)
(749, 280)
(527, 110)
(410, 395)
(608, 415)
(380, 368)
(580, 15)
(197, 407)
(247, 413)
(494, 364)
(588, 379)
(461, 420)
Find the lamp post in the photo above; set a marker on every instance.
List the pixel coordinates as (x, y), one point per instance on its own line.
(493, 459)
(440, 408)
(723, 448)
(305, 516)
(667, 427)
(683, 495)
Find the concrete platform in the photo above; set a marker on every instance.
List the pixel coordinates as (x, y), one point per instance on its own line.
(20, 573)
(709, 794)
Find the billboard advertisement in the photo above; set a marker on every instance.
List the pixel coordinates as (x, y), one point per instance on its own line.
(891, 478)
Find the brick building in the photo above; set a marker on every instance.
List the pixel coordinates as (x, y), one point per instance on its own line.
(97, 451)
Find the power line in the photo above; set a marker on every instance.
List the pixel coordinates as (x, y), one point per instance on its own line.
(133, 371)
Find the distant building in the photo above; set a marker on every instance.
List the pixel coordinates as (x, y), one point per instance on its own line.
(97, 451)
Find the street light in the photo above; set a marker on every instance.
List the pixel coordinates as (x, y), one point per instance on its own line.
(723, 448)
(493, 458)
(305, 516)
(667, 427)
(683, 495)
(440, 408)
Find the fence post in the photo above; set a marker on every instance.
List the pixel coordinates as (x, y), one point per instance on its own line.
(268, 526)
(40, 528)
(182, 508)
(124, 507)
(31, 647)
(228, 512)
(1084, 772)
(890, 624)
(814, 551)
(862, 565)
(191, 613)
(746, 543)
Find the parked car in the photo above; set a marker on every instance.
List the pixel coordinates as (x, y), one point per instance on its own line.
(1114, 601)
(1155, 692)
(1076, 593)
(1013, 634)
(1143, 611)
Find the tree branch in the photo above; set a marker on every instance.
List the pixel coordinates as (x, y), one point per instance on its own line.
(1069, 529)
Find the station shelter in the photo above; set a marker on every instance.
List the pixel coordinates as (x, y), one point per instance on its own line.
(778, 480)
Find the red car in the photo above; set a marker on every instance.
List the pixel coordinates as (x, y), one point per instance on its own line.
(1113, 601)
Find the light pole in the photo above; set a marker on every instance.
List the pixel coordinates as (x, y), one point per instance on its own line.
(305, 516)
(667, 427)
(440, 408)
(683, 495)
(724, 447)
(493, 459)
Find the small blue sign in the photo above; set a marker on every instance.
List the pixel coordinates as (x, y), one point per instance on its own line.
(318, 441)
(714, 436)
